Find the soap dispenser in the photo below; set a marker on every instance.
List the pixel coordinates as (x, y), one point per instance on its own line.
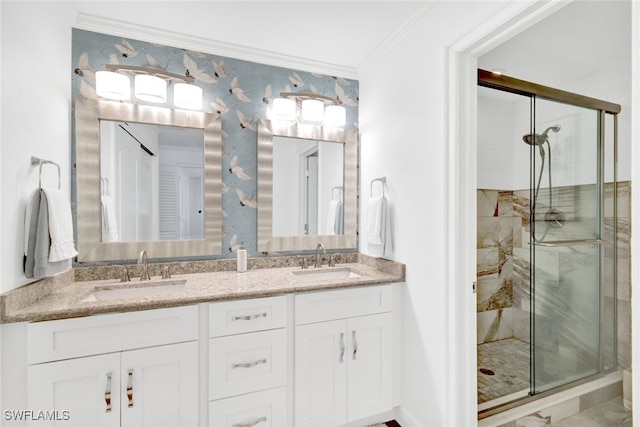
(242, 258)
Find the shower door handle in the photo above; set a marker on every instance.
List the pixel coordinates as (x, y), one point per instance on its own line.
(560, 243)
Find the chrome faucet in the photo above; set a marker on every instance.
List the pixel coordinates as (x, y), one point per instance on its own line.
(142, 259)
(318, 258)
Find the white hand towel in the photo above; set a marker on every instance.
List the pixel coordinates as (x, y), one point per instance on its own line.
(375, 220)
(379, 227)
(36, 261)
(60, 226)
(333, 217)
(109, 225)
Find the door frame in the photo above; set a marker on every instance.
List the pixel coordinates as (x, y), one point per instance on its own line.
(461, 185)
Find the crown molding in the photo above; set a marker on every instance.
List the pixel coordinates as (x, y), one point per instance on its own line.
(155, 35)
(398, 35)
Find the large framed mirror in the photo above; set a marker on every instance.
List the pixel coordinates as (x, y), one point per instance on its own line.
(147, 178)
(307, 183)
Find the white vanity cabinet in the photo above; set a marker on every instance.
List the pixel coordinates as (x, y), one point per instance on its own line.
(248, 363)
(127, 369)
(343, 350)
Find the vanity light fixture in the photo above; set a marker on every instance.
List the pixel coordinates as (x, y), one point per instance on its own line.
(284, 109)
(150, 88)
(315, 108)
(187, 96)
(150, 85)
(113, 85)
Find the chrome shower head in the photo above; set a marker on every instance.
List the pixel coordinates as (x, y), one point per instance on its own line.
(539, 139)
(555, 128)
(534, 139)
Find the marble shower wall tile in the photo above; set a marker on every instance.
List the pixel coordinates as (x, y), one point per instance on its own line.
(494, 325)
(509, 266)
(487, 203)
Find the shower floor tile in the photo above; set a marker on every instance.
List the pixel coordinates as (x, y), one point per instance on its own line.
(508, 361)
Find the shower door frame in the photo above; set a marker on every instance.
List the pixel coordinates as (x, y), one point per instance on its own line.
(534, 91)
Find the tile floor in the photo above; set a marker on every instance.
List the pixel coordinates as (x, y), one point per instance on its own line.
(608, 414)
(508, 360)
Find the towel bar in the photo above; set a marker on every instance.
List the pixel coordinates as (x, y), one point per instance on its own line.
(383, 180)
(340, 189)
(40, 162)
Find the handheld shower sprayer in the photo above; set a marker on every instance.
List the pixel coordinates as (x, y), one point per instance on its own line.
(554, 216)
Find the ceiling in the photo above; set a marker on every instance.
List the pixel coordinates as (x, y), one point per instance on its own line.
(335, 33)
(581, 39)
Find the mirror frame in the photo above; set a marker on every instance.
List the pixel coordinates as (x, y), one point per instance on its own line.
(88, 114)
(267, 129)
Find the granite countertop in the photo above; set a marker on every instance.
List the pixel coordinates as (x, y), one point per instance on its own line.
(65, 296)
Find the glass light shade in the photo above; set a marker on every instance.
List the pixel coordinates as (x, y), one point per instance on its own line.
(312, 110)
(187, 96)
(335, 115)
(150, 88)
(284, 109)
(113, 85)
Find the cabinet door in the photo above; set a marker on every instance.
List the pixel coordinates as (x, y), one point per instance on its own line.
(320, 374)
(160, 386)
(77, 392)
(369, 366)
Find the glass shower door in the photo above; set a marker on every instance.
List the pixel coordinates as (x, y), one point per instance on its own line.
(566, 201)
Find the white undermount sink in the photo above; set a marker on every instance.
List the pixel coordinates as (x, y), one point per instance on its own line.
(135, 290)
(325, 274)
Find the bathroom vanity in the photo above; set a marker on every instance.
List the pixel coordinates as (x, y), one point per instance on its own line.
(272, 346)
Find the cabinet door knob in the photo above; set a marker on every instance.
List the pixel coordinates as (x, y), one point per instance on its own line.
(130, 388)
(342, 347)
(250, 424)
(107, 393)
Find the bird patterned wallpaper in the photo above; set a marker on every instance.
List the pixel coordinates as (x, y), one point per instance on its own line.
(240, 91)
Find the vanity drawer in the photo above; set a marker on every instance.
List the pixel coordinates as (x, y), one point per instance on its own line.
(245, 363)
(237, 317)
(266, 408)
(84, 336)
(341, 304)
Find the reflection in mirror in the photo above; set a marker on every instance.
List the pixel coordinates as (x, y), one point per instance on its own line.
(152, 180)
(307, 187)
(135, 218)
(296, 212)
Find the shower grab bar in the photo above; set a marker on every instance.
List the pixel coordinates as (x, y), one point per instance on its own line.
(559, 243)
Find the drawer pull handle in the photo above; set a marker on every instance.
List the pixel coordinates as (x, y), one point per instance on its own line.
(249, 317)
(249, 365)
(355, 344)
(342, 347)
(107, 393)
(130, 388)
(251, 424)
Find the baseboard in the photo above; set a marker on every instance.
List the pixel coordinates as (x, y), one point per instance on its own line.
(405, 418)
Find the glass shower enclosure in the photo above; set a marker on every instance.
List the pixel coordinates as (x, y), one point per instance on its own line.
(572, 211)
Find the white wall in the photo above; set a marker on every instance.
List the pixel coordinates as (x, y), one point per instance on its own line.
(403, 137)
(36, 111)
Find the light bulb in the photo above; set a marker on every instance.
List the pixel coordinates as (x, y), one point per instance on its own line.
(113, 85)
(187, 96)
(150, 88)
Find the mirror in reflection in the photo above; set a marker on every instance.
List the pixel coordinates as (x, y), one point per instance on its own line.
(308, 182)
(152, 182)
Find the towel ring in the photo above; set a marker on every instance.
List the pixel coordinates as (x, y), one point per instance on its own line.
(383, 181)
(40, 162)
(105, 186)
(339, 188)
